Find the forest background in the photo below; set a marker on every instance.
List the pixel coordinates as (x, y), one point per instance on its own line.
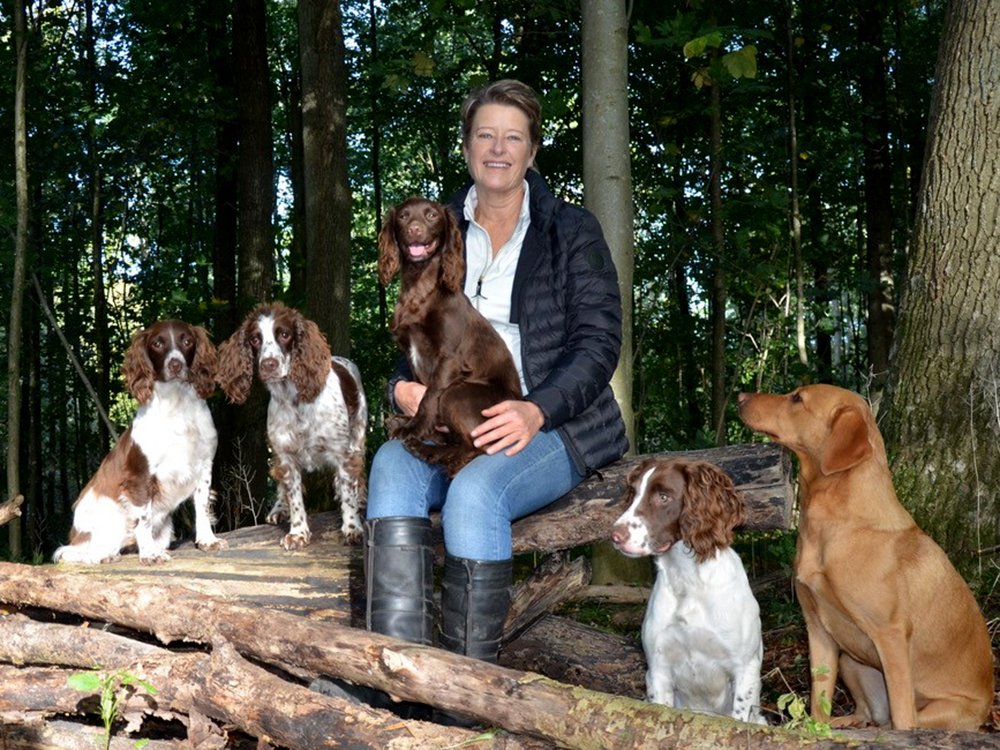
(192, 159)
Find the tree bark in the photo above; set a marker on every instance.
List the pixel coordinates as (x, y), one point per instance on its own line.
(221, 685)
(521, 703)
(942, 409)
(14, 332)
(877, 186)
(327, 195)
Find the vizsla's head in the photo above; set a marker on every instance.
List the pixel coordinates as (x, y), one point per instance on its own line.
(830, 429)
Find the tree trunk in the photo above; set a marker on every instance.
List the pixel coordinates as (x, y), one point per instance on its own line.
(943, 400)
(21, 238)
(255, 233)
(719, 290)
(607, 180)
(255, 180)
(327, 195)
(878, 187)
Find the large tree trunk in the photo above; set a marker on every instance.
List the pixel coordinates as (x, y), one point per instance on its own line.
(14, 332)
(255, 232)
(327, 195)
(943, 399)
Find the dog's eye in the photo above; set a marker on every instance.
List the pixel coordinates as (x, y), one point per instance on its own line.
(284, 335)
(255, 341)
(157, 344)
(796, 398)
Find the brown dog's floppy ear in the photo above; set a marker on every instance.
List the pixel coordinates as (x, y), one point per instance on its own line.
(453, 253)
(848, 444)
(388, 251)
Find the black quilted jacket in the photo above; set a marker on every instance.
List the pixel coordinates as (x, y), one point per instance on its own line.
(567, 305)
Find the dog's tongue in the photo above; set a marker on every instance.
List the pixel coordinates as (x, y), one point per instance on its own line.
(418, 251)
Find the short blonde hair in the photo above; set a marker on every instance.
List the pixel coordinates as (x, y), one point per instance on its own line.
(513, 94)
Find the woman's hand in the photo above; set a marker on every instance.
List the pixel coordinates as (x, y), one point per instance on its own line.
(408, 395)
(509, 424)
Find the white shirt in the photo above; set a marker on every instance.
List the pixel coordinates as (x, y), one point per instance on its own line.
(489, 278)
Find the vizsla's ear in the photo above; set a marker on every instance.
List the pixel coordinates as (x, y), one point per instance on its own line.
(848, 444)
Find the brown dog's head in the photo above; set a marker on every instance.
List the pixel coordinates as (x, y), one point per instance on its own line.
(419, 232)
(830, 429)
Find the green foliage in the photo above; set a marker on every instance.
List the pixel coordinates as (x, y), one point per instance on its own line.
(113, 689)
(159, 110)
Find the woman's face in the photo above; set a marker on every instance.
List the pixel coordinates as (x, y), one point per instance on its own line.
(499, 149)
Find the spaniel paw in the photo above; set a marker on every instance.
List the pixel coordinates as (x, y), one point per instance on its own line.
(293, 542)
(154, 558)
(212, 545)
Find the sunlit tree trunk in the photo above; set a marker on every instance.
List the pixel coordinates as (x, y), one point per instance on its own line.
(607, 180)
(943, 399)
(607, 176)
(17, 282)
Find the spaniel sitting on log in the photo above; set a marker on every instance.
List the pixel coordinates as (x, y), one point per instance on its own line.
(162, 459)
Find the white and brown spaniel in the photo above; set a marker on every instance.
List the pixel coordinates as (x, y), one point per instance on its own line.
(163, 458)
(317, 416)
(701, 632)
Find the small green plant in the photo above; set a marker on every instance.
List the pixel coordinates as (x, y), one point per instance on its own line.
(798, 713)
(114, 688)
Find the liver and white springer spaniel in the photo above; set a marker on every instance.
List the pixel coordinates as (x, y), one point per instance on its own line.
(317, 416)
(162, 459)
(701, 633)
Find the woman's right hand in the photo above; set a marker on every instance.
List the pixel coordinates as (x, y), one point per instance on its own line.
(408, 395)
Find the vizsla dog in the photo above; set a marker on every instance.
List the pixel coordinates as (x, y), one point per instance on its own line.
(882, 603)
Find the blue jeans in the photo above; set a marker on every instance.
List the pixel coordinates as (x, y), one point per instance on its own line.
(479, 504)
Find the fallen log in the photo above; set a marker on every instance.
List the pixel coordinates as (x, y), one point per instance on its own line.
(38, 734)
(554, 581)
(521, 703)
(221, 685)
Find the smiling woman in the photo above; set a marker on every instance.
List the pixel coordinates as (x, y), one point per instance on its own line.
(540, 272)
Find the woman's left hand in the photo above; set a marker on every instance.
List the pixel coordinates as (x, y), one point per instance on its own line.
(509, 424)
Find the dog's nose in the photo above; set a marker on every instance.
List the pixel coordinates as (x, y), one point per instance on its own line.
(268, 366)
(175, 366)
(742, 398)
(618, 535)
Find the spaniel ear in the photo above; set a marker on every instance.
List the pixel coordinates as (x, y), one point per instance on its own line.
(848, 444)
(712, 509)
(310, 360)
(205, 363)
(453, 253)
(388, 249)
(234, 365)
(138, 370)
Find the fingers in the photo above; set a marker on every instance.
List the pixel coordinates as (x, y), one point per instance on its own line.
(509, 425)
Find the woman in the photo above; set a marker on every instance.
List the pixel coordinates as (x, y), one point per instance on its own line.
(540, 271)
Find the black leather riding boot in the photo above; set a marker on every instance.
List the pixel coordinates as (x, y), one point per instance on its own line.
(475, 597)
(399, 582)
(399, 578)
